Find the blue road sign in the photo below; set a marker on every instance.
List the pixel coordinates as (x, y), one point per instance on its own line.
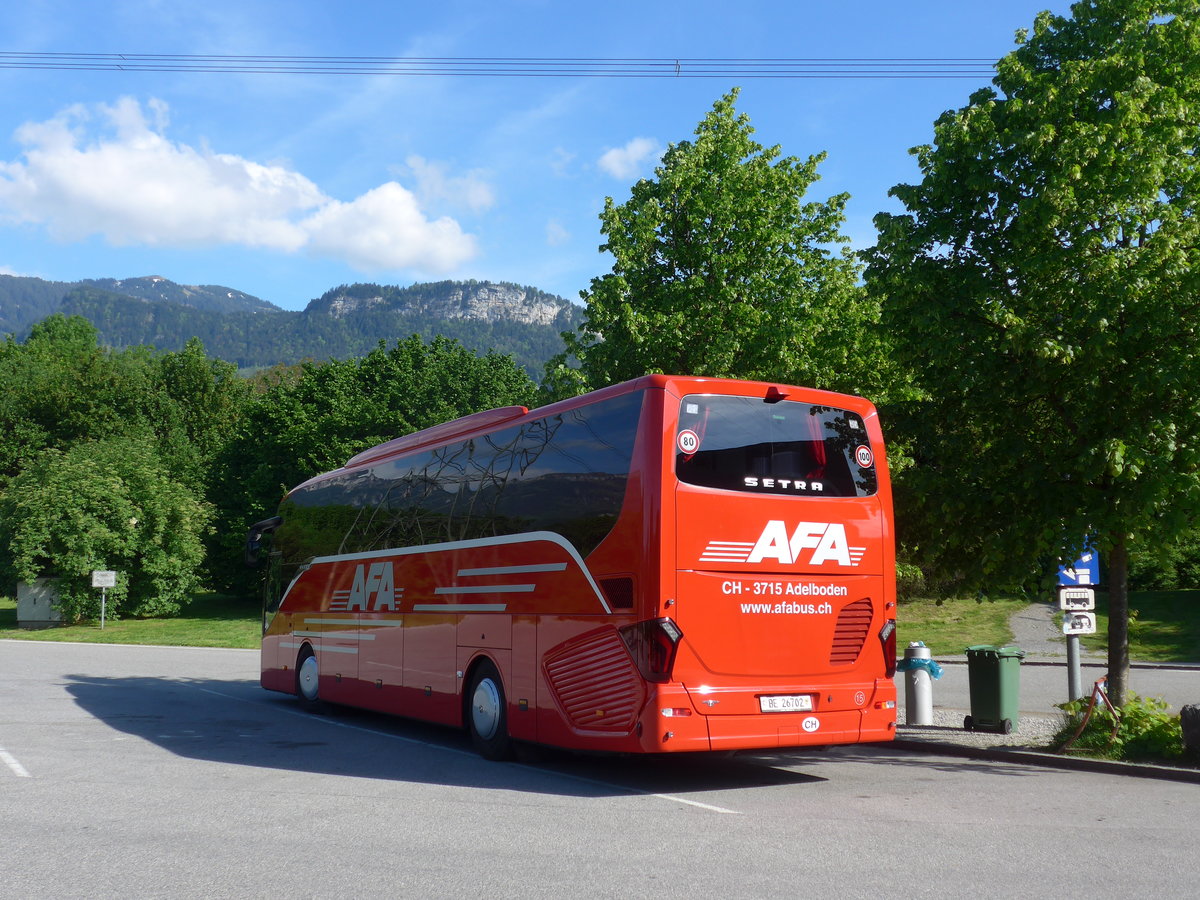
(1086, 570)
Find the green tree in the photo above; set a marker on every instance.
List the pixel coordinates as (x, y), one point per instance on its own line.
(107, 504)
(198, 403)
(1044, 286)
(60, 390)
(60, 387)
(305, 424)
(722, 268)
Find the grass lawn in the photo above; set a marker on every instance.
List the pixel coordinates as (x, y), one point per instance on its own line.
(210, 620)
(1164, 626)
(949, 626)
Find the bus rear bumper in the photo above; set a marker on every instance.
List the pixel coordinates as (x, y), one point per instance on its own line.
(798, 729)
(680, 729)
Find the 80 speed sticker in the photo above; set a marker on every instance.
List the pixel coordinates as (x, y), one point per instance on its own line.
(688, 441)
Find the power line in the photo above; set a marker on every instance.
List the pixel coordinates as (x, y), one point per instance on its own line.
(513, 67)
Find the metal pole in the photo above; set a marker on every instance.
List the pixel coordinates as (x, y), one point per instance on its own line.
(1074, 678)
(103, 603)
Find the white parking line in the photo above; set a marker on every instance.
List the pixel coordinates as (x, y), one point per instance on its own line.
(668, 797)
(11, 761)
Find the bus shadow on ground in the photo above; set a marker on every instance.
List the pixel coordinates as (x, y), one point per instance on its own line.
(237, 723)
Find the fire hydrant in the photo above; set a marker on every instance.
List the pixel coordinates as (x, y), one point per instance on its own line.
(920, 671)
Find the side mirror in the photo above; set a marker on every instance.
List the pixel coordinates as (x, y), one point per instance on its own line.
(254, 538)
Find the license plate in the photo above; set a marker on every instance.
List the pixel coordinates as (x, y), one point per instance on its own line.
(786, 703)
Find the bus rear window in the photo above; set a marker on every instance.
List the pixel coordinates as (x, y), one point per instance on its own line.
(787, 447)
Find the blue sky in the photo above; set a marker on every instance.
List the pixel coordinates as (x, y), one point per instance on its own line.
(285, 185)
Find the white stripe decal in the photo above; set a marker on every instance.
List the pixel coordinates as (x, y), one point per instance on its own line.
(460, 607)
(500, 541)
(513, 570)
(726, 551)
(488, 589)
(338, 635)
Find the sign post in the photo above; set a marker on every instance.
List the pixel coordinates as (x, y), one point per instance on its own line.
(1077, 604)
(1077, 599)
(104, 580)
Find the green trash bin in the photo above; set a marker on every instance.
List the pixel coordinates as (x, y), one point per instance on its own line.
(994, 674)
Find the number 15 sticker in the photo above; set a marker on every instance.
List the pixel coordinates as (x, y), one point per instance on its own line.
(688, 441)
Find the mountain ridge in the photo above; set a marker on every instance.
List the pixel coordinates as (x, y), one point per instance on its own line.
(344, 322)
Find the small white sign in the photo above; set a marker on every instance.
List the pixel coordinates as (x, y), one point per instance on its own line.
(103, 579)
(1079, 623)
(1076, 598)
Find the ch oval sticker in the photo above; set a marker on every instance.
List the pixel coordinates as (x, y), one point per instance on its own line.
(811, 724)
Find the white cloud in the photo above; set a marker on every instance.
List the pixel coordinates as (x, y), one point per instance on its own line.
(469, 191)
(385, 229)
(108, 171)
(626, 162)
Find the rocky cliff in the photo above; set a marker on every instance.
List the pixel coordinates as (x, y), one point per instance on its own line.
(484, 301)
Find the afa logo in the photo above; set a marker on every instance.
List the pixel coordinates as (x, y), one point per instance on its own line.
(826, 540)
(373, 589)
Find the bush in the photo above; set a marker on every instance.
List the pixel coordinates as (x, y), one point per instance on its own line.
(1146, 730)
(910, 581)
(105, 504)
(1167, 565)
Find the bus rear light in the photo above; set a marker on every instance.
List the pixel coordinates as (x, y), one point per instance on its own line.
(886, 704)
(676, 712)
(887, 637)
(652, 644)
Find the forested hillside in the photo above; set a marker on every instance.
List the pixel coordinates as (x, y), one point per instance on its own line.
(345, 322)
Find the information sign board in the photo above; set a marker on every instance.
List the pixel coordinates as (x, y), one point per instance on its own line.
(1079, 623)
(1076, 598)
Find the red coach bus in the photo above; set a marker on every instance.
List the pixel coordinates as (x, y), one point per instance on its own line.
(668, 564)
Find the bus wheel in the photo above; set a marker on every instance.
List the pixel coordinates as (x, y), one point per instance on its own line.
(487, 716)
(307, 678)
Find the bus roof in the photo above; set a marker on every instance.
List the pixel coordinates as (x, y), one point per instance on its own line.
(485, 421)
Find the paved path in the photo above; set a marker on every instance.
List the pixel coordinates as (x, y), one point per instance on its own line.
(1037, 630)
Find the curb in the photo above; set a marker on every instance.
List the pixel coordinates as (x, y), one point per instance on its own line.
(958, 660)
(1051, 760)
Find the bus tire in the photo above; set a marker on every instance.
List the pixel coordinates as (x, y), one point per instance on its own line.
(308, 679)
(487, 713)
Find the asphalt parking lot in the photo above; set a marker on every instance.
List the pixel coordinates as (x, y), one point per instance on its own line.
(168, 772)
